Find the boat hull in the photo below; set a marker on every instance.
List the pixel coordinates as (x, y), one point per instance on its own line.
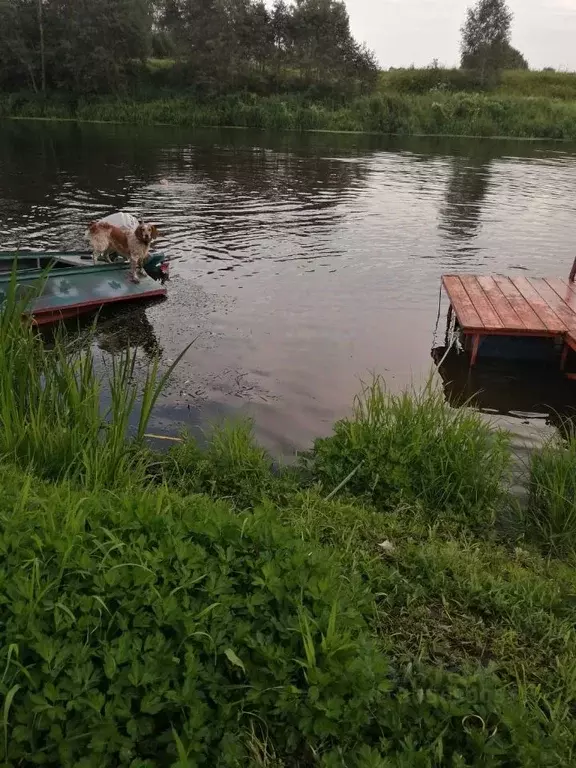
(71, 288)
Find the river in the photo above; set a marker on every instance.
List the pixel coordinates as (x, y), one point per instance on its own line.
(304, 261)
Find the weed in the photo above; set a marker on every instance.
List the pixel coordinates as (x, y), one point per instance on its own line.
(144, 613)
(552, 503)
(414, 449)
(448, 602)
(232, 466)
(234, 615)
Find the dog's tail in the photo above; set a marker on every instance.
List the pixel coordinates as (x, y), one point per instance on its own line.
(94, 228)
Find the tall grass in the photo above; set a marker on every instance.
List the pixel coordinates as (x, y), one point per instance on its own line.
(538, 84)
(552, 502)
(413, 448)
(52, 415)
(232, 465)
(433, 112)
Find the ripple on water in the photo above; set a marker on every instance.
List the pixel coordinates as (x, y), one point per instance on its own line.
(303, 262)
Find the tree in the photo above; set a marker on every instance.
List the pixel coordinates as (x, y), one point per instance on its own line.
(92, 43)
(21, 48)
(513, 59)
(323, 45)
(81, 46)
(91, 46)
(255, 34)
(486, 39)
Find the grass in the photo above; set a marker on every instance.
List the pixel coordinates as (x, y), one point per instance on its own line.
(552, 504)
(410, 449)
(362, 608)
(51, 415)
(526, 105)
(524, 83)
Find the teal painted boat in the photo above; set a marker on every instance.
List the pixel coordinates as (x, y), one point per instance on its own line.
(65, 285)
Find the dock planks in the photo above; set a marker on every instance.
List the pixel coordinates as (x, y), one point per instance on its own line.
(512, 305)
(488, 305)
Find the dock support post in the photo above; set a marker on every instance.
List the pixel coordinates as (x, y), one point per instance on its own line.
(475, 347)
(448, 324)
(564, 357)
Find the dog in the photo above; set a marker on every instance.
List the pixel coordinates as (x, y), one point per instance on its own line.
(134, 245)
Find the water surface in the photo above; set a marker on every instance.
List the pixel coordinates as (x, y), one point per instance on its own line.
(304, 262)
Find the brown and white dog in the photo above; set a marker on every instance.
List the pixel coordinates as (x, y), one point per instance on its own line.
(134, 245)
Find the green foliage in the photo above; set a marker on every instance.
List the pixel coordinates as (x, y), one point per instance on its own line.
(389, 112)
(143, 628)
(486, 48)
(514, 60)
(232, 466)
(76, 58)
(414, 449)
(449, 600)
(431, 79)
(155, 626)
(130, 617)
(552, 504)
(100, 46)
(549, 84)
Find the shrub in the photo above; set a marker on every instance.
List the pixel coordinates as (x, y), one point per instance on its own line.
(552, 501)
(414, 448)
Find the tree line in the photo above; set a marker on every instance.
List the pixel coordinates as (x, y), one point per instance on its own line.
(85, 47)
(90, 46)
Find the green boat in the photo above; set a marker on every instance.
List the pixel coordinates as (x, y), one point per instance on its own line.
(66, 285)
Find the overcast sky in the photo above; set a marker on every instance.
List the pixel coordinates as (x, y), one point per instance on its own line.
(405, 32)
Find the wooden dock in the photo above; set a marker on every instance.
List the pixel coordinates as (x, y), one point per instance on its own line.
(518, 306)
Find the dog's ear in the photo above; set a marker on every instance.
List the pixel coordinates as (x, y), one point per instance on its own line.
(154, 230)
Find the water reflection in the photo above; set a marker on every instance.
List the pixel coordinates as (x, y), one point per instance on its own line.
(466, 191)
(130, 330)
(514, 391)
(113, 331)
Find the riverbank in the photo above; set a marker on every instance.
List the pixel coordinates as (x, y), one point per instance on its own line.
(431, 113)
(383, 601)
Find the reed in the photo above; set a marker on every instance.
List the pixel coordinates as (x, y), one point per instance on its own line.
(432, 112)
(53, 416)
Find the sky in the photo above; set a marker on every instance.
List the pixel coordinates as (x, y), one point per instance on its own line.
(405, 32)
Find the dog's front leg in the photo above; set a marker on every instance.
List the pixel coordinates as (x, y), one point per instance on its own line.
(134, 268)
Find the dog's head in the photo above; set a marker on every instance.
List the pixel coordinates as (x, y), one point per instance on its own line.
(145, 233)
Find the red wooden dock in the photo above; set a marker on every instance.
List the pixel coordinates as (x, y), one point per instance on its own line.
(513, 306)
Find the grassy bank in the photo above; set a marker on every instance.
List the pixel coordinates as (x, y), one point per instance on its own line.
(381, 603)
(408, 102)
(524, 83)
(457, 114)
